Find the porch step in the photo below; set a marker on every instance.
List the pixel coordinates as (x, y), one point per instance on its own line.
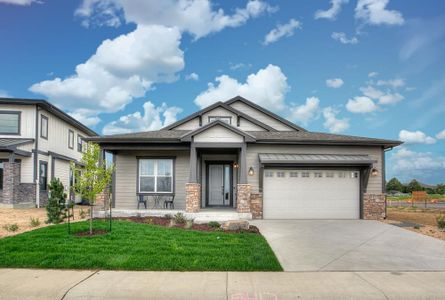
(199, 217)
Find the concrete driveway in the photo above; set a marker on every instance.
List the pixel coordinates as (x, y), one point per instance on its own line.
(351, 245)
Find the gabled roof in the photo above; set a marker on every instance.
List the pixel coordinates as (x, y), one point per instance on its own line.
(265, 111)
(213, 106)
(52, 109)
(188, 136)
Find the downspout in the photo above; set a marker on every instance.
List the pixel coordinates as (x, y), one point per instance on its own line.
(36, 157)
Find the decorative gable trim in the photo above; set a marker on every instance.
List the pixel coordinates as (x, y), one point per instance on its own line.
(189, 135)
(265, 111)
(238, 113)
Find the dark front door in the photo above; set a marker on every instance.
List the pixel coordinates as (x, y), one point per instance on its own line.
(219, 184)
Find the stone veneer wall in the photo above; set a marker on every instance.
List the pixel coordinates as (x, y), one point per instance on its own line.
(16, 194)
(256, 205)
(102, 199)
(192, 197)
(374, 206)
(243, 198)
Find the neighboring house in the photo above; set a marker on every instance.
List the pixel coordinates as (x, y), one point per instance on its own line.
(237, 155)
(37, 143)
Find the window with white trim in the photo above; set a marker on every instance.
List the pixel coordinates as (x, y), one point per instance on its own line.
(330, 174)
(155, 175)
(281, 174)
(318, 174)
(268, 173)
(293, 174)
(225, 119)
(305, 174)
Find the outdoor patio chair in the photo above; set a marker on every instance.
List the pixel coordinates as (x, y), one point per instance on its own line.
(141, 199)
(169, 202)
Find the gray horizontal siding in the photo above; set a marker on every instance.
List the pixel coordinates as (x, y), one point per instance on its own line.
(126, 176)
(374, 184)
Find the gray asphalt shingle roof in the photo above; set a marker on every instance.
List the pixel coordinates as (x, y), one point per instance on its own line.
(282, 158)
(13, 142)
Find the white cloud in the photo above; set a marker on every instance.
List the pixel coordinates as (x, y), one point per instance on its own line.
(415, 137)
(394, 83)
(121, 69)
(390, 98)
(332, 123)
(20, 2)
(284, 30)
(85, 116)
(194, 16)
(267, 88)
(192, 76)
(441, 135)
(374, 12)
(371, 92)
(342, 38)
(152, 118)
(238, 66)
(4, 94)
(332, 12)
(334, 82)
(306, 112)
(416, 162)
(100, 13)
(372, 74)
(361, 104)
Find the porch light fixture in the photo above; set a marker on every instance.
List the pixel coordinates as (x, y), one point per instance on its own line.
(235, 165)
(251, 171)
(374, 172)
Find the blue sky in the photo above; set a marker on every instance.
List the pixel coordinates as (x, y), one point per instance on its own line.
(361, 67)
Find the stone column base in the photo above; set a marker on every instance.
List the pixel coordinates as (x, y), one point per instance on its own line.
(243, 198)
(374, 206)
(256, 205)
(192, 197)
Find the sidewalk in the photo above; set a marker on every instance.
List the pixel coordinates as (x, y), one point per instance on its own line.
(60, 284)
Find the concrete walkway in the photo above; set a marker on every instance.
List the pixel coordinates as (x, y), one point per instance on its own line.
(351, 245)
(59, 284)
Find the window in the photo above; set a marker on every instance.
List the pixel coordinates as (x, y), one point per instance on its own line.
(281, 174)
(305, 174)
(43, 175)
(341, 175)
(268, 174)
(10, 122)
(156, 175)
(225, 119)
(330, 174)
(293, 174)
(318, 174)
(79, 143)
(70, 139)
(44, 127)
(354, 174)
(1, 174)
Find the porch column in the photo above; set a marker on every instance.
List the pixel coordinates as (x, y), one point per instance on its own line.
(193, 188)
(242, 165)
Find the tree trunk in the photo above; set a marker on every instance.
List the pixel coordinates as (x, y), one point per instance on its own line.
(91, 219)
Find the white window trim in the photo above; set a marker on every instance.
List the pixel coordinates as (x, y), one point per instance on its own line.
(155, 176)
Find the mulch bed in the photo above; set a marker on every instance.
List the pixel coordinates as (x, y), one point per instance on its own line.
(87, 233)
(161, 221)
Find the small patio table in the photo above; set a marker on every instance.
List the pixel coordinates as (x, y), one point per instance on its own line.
(157, 199)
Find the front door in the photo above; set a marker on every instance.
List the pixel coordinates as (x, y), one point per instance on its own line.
(219, 187)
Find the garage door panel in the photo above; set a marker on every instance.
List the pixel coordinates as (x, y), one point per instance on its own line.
(335, 197)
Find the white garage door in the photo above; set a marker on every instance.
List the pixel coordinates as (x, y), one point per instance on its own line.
(311, 194)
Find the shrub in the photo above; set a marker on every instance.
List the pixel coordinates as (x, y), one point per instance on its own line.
(55, 209)
(82, 214)
(214, 224)
(149, 221)
(179, 218)
(11, 227)
(168, 216)
(189, 224)
(34, 222)
(441, 222)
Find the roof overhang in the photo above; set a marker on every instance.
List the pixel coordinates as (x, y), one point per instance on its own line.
(315, 159)
(11, 144)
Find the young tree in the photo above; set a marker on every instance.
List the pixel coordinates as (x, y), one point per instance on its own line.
(56, 202)
(414, 186)
(93, 177)
(394, 185)
(440, 188)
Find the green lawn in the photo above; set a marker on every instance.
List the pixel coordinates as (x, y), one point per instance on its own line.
(134, 246)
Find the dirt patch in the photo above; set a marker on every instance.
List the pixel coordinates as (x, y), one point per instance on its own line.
(161, 221)
(87, 233)
(22, 217)
(426, 218)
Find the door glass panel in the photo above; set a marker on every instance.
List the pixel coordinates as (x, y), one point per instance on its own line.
(227, 184)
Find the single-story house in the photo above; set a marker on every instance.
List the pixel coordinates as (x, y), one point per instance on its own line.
(238, 156)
